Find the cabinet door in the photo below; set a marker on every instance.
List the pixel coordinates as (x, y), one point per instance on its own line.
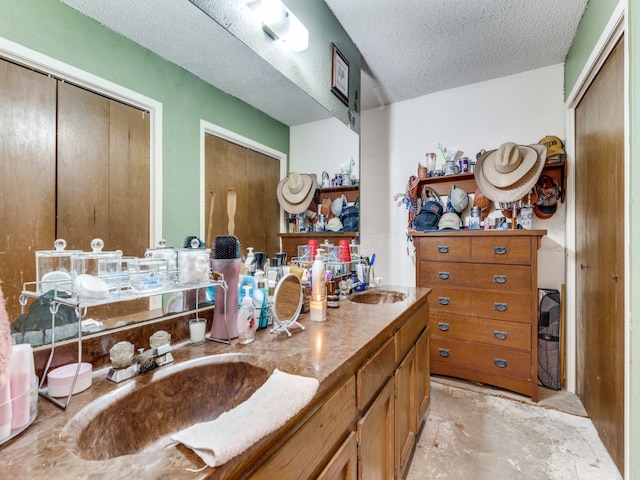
(423, 372)
(343, 464)
(27, 175)
(376, 438)
(406, 410)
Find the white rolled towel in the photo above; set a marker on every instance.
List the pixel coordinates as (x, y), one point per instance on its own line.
(281, 397)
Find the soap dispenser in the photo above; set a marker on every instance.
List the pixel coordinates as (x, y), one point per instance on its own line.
(247, 325)
(318, 302)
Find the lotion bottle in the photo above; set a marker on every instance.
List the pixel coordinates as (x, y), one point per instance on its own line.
(247, 318)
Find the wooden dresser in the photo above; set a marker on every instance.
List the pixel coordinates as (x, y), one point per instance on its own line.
(484, 305)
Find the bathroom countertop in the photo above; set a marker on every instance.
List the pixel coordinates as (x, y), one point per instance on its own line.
(328, 351)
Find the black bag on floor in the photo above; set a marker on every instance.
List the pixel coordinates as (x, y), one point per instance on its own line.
(549, 338)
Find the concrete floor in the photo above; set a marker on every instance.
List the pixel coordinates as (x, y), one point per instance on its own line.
(475, 432)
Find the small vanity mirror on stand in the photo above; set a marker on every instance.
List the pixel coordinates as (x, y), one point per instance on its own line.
(287, 303)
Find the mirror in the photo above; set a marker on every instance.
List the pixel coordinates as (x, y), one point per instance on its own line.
(287, 303)
(243, 70)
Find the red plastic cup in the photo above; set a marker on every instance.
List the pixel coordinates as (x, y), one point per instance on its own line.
(344, 251)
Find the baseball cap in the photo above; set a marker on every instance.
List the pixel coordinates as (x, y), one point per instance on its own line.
(548, 191)
(450, 221)
(554, 145)
(457, 200)
(428, 217)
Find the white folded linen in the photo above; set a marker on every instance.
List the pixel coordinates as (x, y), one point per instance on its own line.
(281, 397)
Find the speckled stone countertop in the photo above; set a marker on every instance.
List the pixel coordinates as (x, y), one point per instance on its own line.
(328, 351)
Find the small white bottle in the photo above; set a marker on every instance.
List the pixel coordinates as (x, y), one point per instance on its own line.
(248, 262)
(247, 323)
(317, 277)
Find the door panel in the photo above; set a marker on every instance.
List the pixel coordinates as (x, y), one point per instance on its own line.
(27, 179)
(600, 252)
(255, 178)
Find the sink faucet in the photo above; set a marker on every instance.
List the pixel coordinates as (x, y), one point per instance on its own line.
(153, 358)
(144, 362)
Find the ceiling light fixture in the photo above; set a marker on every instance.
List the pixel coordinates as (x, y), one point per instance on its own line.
(280, 23)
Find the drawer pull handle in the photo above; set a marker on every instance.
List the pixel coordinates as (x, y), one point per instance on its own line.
(500, 362)
(443, 300)
(501, 307)
(500, 250)
(500, 335)
(443, 352)
(443, 326)
(443, 249)
(443, 275)
(500, 278)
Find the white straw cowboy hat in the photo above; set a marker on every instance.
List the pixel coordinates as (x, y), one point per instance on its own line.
(296, 191)
(509, 172)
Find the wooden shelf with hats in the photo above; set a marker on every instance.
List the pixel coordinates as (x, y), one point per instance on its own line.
(467, 181)
(351, 192)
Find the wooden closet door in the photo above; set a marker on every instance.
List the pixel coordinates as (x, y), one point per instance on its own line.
(103, 172)
(83, 167)
(600, 252)
(255, 177)
(27, 175)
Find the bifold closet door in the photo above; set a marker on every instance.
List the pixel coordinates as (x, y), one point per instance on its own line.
(600, 252)
(103, 172)
(255, 177)
(27, 175)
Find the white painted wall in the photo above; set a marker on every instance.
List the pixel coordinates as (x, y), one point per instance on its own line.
(521, 108)
(325, 145)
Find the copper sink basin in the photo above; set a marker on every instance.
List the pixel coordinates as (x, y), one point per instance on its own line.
(142, 415)
(375, 297)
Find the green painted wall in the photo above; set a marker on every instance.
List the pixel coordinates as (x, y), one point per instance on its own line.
(596, 16)
(53, 29)
(591, 25)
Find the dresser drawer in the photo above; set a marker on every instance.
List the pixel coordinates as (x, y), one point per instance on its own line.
(481, 330)
(513, 306)
(476, 275)
(501, 249)
(480, 358)
(445, 249)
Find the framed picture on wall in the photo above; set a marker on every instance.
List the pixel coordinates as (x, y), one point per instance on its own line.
(339, 75)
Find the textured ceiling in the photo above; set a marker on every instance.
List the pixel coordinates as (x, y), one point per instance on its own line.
(409, 48)
(416, 47)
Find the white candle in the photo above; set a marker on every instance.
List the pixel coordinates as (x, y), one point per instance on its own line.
(196, 330)
(318, 310)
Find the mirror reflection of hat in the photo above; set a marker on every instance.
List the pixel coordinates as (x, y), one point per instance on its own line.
(509, 172)
(296, 191)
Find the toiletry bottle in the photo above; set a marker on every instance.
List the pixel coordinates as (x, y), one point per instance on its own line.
(248, 262)
(247, 324)
(317, 277)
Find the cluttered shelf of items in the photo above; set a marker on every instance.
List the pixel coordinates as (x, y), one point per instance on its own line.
(511, 182)
(318, 212)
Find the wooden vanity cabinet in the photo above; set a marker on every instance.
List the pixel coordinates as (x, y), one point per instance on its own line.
(368, 426)
(390, 421)
(318, 444)
(484, 305)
